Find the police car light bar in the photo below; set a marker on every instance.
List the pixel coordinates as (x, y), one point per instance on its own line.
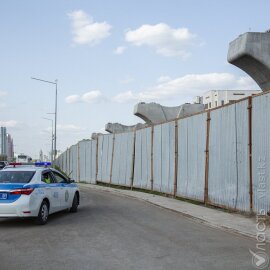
(43, 163)
(15, 163)
(35, 164)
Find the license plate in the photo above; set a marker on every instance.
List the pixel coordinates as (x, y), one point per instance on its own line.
(3, 196)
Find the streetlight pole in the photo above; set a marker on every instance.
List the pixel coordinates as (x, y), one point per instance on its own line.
(55, 116)
(52, 137)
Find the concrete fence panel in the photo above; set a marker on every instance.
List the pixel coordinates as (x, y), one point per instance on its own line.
(142, 164)
(191, 157)
(122, 169)
(261, 153)
(228, 182)
(164, 157)
(105, 146)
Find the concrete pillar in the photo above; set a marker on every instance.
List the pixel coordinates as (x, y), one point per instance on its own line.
(251, 53)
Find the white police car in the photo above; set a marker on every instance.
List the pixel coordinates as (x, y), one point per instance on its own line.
(36, 191)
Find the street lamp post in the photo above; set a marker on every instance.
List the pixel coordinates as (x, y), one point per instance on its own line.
(52, 137)
(55, 116)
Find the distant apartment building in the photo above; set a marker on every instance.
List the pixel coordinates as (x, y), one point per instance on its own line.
(6, 144)
(3, 141)
(10, 147)
(215, 98)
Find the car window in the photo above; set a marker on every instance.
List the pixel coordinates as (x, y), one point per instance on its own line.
(16, 176)
(59, 178)
(47, 178)
(2, 164)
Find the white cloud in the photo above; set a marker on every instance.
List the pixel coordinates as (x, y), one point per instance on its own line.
(120, 50)
(92, 97)
(125, 97)
(88, 97)
(165, 40)
(72, 99)
(182, 88)
(9, 123)
(186, 87)
(85, 30)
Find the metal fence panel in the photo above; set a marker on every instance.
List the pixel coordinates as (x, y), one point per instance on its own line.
(64, 169)
(74, 162)
(91, 150)
(68, 170)
(261, 153)
(82, 161)
(164, 157)
(228, 182)
(87, 158)
(123, 159)
(105, 143)
(191, 157)
(61, 161)
(142, 163)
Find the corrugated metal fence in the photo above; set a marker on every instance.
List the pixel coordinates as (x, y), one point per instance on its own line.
(219, 157)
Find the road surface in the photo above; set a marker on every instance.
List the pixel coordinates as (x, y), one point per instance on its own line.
(112, 232)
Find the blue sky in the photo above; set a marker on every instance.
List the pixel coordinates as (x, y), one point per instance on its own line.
(109, 55)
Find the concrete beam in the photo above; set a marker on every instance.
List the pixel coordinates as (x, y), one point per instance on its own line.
(119, 128)
(251, 53)
(154, 113)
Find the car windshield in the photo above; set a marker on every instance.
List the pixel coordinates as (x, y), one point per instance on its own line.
(2, 164)
(16, 177)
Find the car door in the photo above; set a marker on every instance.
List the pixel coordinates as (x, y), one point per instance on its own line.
(52, 190)
(66, 193)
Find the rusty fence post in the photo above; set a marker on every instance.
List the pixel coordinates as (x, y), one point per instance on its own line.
(206, 200)
(175, 158)
(69, 171)
(78, 163)
(133, 160)
(152, 159)
(96, 158)
(111, 169)
(250, 152)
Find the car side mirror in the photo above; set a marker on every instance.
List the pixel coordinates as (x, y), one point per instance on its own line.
(71, 181)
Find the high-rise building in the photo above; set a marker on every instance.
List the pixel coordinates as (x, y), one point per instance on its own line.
(10, 147)
(41, 157)
(3, 141)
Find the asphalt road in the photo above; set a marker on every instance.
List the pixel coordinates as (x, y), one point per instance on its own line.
(112, 232)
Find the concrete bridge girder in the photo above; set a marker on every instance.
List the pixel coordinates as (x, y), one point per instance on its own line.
(154, 113)
(119, 128)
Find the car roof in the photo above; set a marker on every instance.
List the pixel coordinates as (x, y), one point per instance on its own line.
(29, 168)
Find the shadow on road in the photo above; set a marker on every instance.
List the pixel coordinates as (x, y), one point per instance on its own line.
(53, 219)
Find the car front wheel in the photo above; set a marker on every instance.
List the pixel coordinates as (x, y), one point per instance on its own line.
(75, 204)
(43, 214)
